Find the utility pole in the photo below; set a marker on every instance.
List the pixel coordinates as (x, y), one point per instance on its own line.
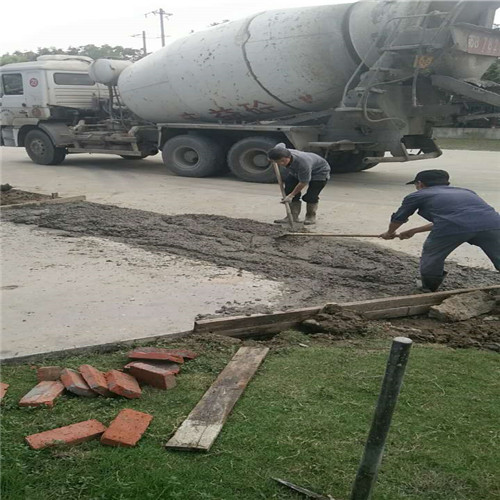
(144, 48)
(160, 12)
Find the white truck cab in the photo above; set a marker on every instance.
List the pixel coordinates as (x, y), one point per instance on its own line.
(37, 96)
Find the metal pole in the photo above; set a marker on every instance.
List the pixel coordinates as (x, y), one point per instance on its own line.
(374, 448)
(162, 13)
(145, 50)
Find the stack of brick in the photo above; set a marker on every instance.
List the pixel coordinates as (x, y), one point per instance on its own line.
(125, 430)
(87, 382)
(156, 366)
(152, 366)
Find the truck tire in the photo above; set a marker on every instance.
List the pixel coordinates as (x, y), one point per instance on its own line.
(41, 150)
(247, 159)
(347, 162)
(193, 156)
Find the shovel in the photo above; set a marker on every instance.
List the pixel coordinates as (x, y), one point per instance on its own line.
(330, 235)
(283, 194)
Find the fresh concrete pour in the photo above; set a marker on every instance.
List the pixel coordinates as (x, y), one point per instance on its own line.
(144, 273)
(61, 292)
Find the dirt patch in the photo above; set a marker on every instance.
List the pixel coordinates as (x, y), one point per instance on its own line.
(15, 196)
(314, 271)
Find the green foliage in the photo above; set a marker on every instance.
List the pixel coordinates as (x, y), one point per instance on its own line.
(493, 73)
(93, 51)
(304, 417)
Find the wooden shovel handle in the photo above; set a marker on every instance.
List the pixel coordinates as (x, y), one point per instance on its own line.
(283, 194)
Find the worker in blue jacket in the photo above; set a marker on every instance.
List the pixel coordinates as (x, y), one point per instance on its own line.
(456, 216)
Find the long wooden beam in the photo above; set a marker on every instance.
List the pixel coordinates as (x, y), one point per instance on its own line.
(204, 423)
(256, 323)
(411, 300)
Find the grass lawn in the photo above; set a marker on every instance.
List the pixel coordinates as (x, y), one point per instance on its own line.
(469, 144)
(304, 418)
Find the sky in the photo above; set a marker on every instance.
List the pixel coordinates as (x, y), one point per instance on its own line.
(30, 24)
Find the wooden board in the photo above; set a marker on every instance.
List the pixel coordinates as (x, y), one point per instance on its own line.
(410, 300)
(242, 326)
(51, 201)
(204, 423)
(398, 312)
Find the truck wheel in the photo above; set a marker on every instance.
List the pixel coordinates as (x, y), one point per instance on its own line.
(346, 162)
(193, 156)
(248, 160)
(41, 150)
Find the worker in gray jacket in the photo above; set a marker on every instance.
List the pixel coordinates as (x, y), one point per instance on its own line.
(303, 170)
(456, 216)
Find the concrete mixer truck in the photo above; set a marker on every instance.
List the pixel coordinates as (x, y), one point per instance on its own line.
(359, 83)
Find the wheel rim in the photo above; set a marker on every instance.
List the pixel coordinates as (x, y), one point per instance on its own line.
(254, 161)
(38, 148)
(186, 157)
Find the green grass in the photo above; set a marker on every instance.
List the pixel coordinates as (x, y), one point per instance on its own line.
(470, 144)
(304, 417)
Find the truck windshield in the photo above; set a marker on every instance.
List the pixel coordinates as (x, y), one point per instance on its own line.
(73, 79)
(12, 84)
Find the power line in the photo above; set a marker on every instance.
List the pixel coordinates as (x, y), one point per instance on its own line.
(160, 12)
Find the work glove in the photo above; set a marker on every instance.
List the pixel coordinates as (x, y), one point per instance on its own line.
(287, 199)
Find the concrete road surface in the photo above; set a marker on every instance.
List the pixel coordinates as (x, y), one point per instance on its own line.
(351, 203)
(58, 292)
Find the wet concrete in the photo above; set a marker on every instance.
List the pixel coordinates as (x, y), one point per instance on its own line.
(314, 271)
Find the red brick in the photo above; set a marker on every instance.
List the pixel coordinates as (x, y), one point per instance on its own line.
(96, 380)
(155, 354)
(3, 390)
(127, 428)
(172, 368)
(48, 373)
(161, 375)
(43, 393)
(123, 384)
(183, 353)
(70, 434)
(75, 383)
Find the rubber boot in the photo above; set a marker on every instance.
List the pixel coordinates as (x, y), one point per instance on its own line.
(431, 283)
(312, 208)
(295, 208)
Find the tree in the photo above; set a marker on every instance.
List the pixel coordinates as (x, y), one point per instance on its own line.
(93, 51)
(493, 73)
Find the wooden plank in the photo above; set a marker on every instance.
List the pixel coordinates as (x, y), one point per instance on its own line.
(333, 235)
(398, 312)
(410, 300)
(55, 201)
(254, 321)
(259, 330)
(204, 423)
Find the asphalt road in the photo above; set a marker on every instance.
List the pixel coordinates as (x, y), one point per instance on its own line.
(352, 203)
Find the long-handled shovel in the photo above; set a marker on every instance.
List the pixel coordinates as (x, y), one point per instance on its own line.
(330, 235)
(283, 194)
